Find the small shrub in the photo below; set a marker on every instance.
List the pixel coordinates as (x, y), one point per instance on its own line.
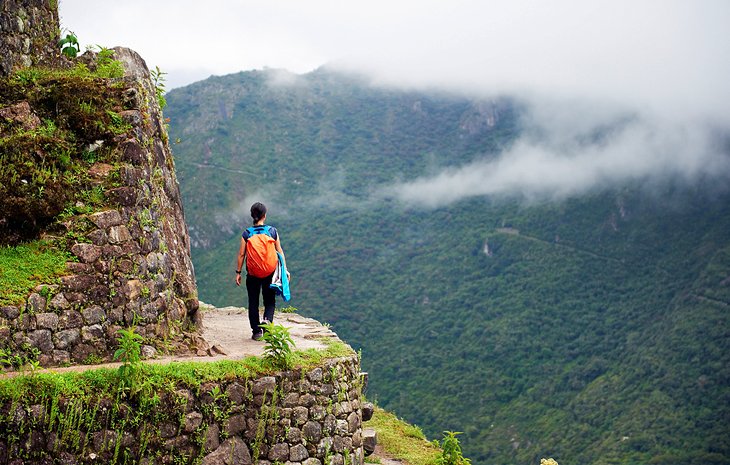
(69, 45)
(106, 66)
(278, 347)
(451, 450)
(130, 354)
(158, 79)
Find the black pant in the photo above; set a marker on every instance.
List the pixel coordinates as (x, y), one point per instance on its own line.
(254, 286)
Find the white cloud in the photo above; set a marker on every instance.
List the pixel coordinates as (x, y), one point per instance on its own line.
(653, 50)
(567, 152)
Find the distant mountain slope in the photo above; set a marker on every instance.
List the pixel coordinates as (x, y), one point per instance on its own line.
(593, 330)
(285, 137)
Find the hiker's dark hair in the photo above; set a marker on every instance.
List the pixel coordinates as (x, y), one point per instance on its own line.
(258, 210)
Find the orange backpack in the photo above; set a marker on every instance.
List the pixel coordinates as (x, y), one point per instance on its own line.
(261, 258)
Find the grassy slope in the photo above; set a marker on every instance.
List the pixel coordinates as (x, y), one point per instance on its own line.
(401, 440)
(593, 335)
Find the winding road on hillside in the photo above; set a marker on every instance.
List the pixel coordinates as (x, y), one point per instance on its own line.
(516, 232)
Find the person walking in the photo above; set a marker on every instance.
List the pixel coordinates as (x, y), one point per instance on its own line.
(259, 246)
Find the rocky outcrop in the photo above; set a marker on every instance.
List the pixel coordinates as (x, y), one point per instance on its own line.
(481, 117)
(29, 33)
(132, 265)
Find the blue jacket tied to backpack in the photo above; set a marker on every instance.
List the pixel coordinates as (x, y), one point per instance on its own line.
(280, 281)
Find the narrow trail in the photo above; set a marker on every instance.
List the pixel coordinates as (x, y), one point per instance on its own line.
(227, 330)
(221, 168)
(228, 336)
(710, 300)
(516, 232)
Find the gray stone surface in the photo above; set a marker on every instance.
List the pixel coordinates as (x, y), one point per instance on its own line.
(118, 234)
(93, 315)
(46, 321)
(9, 312)
(367, 411)
(298, 453)
(264, 385)
(36, 303)
(87, 253)
(312, 431)
(66, 338)
(70, 319)
(233, 451)
(92, 333)
(59, 302)
(279, 452)
(369, 440)
(106, 219)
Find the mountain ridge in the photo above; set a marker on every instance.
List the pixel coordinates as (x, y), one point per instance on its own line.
(558, 341)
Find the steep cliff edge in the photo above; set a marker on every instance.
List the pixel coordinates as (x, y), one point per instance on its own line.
(86, 174)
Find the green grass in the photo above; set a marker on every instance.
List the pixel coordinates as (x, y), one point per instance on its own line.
(402, 440)
(25, 266)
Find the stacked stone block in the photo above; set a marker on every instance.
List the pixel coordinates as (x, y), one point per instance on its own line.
(293, 417)
(29, 33)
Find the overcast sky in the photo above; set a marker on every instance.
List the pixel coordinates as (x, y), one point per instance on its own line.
(667, 61)
(641, 49)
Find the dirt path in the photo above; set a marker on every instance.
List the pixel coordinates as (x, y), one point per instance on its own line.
(228, 330)
(385, 458)
(516, 232)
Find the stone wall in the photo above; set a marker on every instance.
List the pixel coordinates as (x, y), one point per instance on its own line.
(293, 417)
(133, 267)
(29, 33)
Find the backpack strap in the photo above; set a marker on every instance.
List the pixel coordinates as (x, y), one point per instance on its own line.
(263, 229)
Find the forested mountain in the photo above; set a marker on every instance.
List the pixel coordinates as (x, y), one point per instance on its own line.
(592, 329)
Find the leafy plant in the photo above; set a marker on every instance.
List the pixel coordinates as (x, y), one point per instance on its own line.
(278, 345)
(158, 79)
(6, 357)
(130, 354)
(451, 450)
(69, 45)
(106, 65)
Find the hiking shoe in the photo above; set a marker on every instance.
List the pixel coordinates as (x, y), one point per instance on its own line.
(257, 335)
(264, 322)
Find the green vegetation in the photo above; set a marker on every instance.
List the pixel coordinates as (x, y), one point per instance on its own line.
(19, 361)
(402, 440)
(159, 377)
(69, 45)
(451, 450)
(70, 122)
(592, 330)
(130, 354)
(278, 345)
(158, 79)
(24, 267)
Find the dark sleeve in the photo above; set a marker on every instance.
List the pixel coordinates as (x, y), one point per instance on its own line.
(246, 234)
(274, 232)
